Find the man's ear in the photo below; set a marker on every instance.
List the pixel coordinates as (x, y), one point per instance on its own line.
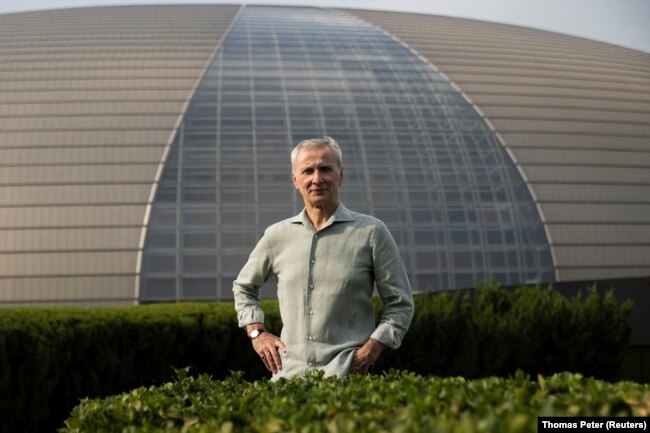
(293, 179)
(341, 180)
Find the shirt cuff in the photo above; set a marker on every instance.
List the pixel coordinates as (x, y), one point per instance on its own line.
(388, 335)
(250, 315)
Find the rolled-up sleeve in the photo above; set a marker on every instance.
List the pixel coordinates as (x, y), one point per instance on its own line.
(246, 287)
(393, 287)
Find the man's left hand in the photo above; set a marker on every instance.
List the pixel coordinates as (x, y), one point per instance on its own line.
(365, 356)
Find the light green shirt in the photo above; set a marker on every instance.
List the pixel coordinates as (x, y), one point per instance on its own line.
(325, 285)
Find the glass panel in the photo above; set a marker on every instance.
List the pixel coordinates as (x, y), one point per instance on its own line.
(159, 263)
(199, 239)
(200, 288)
(158, 289)
(161, 239)
(199, 262)
(163, 216)
(197, 217)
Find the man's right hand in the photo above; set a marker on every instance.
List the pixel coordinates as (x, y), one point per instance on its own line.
(267, 345)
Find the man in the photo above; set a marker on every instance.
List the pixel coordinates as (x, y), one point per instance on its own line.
(326, 260)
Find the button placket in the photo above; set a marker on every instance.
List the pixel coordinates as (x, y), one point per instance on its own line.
(311, 355)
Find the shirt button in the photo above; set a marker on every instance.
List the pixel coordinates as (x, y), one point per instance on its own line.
(310, 338)
(311, 286)
(311, 312)
(313, 261)
(315, 236)
(310, 363)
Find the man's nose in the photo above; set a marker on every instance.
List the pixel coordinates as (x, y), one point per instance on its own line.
(316, 178)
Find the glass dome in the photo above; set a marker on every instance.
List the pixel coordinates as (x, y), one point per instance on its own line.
(416, 154)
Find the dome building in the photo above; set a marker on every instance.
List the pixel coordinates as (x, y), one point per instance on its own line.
(144, 149)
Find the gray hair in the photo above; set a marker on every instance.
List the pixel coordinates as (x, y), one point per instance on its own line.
(317, 143)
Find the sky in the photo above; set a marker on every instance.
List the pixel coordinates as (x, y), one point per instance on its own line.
(621, 22)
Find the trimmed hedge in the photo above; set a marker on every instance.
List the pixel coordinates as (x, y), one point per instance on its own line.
(51, 357)
(494, 331)
(394, 402)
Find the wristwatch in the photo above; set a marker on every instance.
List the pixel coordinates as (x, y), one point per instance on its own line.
(255, 333)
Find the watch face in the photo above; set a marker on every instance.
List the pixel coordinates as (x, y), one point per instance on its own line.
(254, 333)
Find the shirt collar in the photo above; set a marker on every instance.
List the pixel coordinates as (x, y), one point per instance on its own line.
(341, 214)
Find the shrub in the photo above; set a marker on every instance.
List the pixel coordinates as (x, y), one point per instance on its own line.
(494, 331)
(393, 402)
(50, 357)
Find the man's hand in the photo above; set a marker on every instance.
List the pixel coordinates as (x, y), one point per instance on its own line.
(365, 356)
(267, 345)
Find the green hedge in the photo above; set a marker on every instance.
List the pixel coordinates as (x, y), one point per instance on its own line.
(51, 357)
(394, 402)
(494, 331)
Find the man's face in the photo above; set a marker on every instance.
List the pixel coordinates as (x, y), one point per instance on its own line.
(317, 177)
